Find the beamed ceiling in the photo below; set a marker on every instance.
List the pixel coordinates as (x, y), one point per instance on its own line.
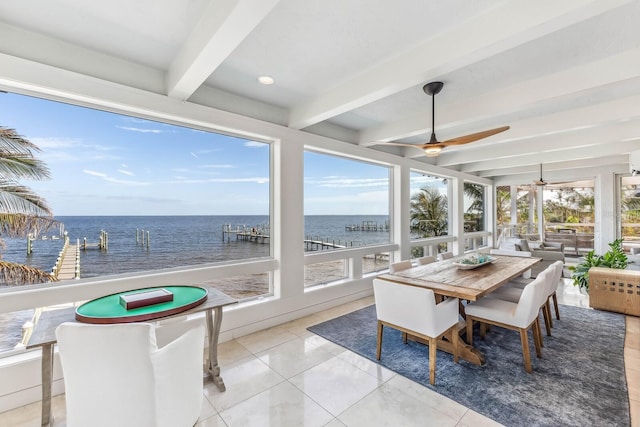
(564, 75)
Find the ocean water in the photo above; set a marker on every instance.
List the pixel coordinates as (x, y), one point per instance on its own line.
(173, 241)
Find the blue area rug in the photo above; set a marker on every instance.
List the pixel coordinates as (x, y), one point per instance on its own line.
(579, 381)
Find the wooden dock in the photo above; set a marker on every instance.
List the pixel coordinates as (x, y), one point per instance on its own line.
(67, 265)
(258, 234)
(367, 226)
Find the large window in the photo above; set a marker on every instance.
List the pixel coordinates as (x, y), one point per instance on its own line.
(630, 208)
(429, 205)
(429, 212)
(160, 195)
(346, 205)
(474, 207)
(568, 210)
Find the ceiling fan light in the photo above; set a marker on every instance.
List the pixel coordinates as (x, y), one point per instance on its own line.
(432, 151)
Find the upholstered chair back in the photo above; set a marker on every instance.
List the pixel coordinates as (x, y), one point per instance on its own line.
(413, 308)
(116, 375)
(399, 266)
(532, 297)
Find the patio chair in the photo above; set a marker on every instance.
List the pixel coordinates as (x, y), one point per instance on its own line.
(413, 310)
(520, 316)
(399, 266)
(125, 375)
(425, 260)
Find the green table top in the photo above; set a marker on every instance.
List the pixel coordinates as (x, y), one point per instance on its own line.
(108, 309)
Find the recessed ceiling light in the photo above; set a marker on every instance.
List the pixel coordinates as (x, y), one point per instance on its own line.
(266, 80)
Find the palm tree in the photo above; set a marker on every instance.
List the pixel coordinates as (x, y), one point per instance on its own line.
(429, 212)
(21, 210)
(474, 216)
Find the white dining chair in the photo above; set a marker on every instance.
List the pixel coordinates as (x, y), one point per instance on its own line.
(445, 255)
(413, 310)
(520, 316)
(513, 293)
(399, 266)
(553, 288)
(425, 260)
(126, 375)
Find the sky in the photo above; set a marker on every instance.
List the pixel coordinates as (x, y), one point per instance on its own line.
(108, 164)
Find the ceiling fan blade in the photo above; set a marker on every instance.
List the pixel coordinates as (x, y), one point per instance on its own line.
(402, 144)
(474, 136)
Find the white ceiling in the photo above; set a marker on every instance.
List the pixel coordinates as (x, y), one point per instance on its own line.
(564, 75)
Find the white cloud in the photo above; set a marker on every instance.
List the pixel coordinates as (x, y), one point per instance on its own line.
(140, 129)
(113, 180)
(94, 173)
(125, 172)
(256, 180)
(217, 166)
(343, 182)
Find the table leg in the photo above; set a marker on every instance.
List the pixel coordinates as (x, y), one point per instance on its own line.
(213, 330)
(465, 351)
(47, 375)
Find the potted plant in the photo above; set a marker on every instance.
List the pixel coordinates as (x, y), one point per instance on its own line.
(614, 258)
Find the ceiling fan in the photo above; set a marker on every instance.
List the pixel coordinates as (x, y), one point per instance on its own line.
(434, 147)
(541, 182)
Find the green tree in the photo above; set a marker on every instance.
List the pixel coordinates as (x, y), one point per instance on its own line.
(21, 210)
(474, 215)
(429, 213)
(503, 205)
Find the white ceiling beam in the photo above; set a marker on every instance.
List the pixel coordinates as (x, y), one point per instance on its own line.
(223, 26)
(519, 97)
(574, 171)
(576, 153)
(556, 166)
(555, 129)
(499, 29)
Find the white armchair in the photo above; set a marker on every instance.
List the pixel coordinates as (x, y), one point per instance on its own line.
(413, 311)
(548, 253)
(118, 375)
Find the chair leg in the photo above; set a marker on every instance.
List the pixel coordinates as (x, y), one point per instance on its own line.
(546, 316)
(404, 337)
(547, 304)
(432, 360)
(455, 338)
(524, 339)
(555, 303)
(469, 330)
(483, 330)
(537, 337)
(379, 341)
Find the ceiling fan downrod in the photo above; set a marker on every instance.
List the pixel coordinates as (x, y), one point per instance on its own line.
(432, 89)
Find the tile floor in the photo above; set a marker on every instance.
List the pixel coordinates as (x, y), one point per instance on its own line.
(287, 376)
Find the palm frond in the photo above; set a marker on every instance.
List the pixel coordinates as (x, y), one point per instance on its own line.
(12, 274)
(17, 159)
(20, 225)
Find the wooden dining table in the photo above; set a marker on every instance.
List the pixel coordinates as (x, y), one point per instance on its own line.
(450, 279)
